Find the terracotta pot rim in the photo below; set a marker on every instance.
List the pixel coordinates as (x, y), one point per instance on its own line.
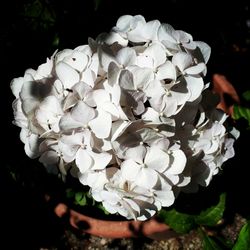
(151, 228)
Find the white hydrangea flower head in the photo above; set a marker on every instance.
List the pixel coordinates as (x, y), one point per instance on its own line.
(130, 113)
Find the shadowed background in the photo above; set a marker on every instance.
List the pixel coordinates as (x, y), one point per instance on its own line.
(30, 31)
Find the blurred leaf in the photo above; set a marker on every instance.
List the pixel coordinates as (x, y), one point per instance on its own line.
(80, 199)
(70, 193)
(246, 95)
(243, 241)
(97, 4)
(56, 40)
(212, 215)
(225, 242)
(241, 112)
(180, 222)
(208, 243)
(100, 206)
(39, 14)
(13, 175)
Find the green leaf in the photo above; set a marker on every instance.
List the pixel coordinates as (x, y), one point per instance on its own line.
(241, 112)
(246, 95)
(100, 206)
(56, 40)
(208, 243)
(39, 14)
(243, 241)
(70, 193)
(80, 199)
(97, 4)
(212, 215)
(227, 243)
(180, 222)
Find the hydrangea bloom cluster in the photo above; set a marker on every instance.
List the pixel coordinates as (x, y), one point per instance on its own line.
(128, 114)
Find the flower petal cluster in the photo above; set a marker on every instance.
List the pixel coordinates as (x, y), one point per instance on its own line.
(128, 114)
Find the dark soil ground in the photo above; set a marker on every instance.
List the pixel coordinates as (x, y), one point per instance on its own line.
(29, 222)
(190, 241)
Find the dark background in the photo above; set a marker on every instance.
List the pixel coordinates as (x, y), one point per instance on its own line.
(30, 31)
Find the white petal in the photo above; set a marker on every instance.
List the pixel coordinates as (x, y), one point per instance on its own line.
(162, 144)
(44, 70)
(89, 77)
(109, 207)
(178, 162)
(150, 30)
(126, 56)
(49, 113)
(130, 170)
(20, 118)
(142, 77)
(83, 113)
(155, 90)
(165, 32)
(118, 127)
(182, 60)
(74, 139)
(62, 54)
(156, 52)
(145, 61)
(81, 89)
(113, 73)
(151, 116)
(29, 105)
(94, 65)
(197, 69)
(101, 125)
(106, 56)
(32, 146)
(195, 85)
(183, 37)
(165, 197)
(67, 75)
(123, 23)
(133, 204)
(166, 71)
(156, 159)
(180, 93)
(77, 60)
(147, 178)
(83, 160)
(136, 154)
(126, 80)
(68, 123)
(116, 94)
(16, 86)
(35, 90)
(100, 96)
(70, 101)
(110, 197)
(49, 158)
(111, 109)
(171, 106)
(149, 135)
(101, 160)
(136, 33)
(94, 179)
(58, 88)
(114, 37)
(205, 50)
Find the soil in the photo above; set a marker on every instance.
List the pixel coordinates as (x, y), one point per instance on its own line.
(191, 241)
(28, 222)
